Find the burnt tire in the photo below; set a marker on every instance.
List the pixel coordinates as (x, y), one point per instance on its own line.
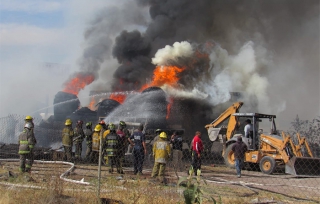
(267, 165)
(229, 157)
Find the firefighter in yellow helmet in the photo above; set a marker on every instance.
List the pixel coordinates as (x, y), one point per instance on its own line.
(27, 142)
(29, 119)
(96, 143)
(67, 140)
(161, 152)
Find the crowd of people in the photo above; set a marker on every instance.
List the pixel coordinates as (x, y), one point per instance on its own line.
(114, 144)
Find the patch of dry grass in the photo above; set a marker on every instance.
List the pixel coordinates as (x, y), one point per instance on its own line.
(46, 187)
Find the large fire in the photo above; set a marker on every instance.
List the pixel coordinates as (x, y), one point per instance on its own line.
(164, 75)
(77, 83)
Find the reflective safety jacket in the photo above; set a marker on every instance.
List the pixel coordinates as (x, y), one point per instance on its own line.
(26, 141)
(67, 136)
(96, 141)
(161, 151)
(88, 136)
(111, 143)
(31, 138)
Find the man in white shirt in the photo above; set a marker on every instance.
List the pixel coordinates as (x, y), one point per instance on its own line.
(248, 132)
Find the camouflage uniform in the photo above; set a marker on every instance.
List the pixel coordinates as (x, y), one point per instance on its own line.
(123, 144)
(79, 135)
(88, 135)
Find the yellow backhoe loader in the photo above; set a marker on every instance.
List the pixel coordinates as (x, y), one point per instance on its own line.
(269, 150)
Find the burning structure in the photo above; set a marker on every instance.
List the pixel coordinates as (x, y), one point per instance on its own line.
(184, 48)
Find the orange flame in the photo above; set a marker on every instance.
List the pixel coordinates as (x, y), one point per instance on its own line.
(118, 97)
(91, 105)
(164, 75)
(169, 108)
(78, 83)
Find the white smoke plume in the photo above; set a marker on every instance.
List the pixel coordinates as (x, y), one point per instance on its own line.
(239, 73)
(172, 53)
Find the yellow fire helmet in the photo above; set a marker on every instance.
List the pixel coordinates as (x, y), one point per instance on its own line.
(68, 122)
(163, 135)
(28, 117)
(97, 128)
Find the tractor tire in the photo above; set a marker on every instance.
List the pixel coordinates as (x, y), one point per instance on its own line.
(267, 165)
(229, 157)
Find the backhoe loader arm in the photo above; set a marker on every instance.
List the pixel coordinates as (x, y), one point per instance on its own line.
(303, 141)
(234, 108)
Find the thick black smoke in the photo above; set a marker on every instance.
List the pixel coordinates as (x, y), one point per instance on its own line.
(271, 24)
(285, 31)
(100, 34)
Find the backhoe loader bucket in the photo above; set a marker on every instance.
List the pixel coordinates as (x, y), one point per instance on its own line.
(303, 166)
(213, 133)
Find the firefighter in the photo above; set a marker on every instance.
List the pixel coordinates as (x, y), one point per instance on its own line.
(161, 152)
(27, 141)
(123, 134)
(111, 146)
(78, 139)
(96, 143)
(67, 137)
(88, 135)
(139, 149)
(29, 119)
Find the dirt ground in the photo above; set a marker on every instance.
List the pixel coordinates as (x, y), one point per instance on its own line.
(217, 181)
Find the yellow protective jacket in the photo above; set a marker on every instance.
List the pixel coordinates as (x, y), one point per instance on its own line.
(105, 133)
(161, 151)
(96, 141)
(67, 136)
(23, 143)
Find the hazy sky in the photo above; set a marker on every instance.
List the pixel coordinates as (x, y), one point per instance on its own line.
(34, 32)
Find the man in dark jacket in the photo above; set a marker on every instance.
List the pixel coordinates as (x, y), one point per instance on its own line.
(139, 149)
(239, 149)
(177, 143)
